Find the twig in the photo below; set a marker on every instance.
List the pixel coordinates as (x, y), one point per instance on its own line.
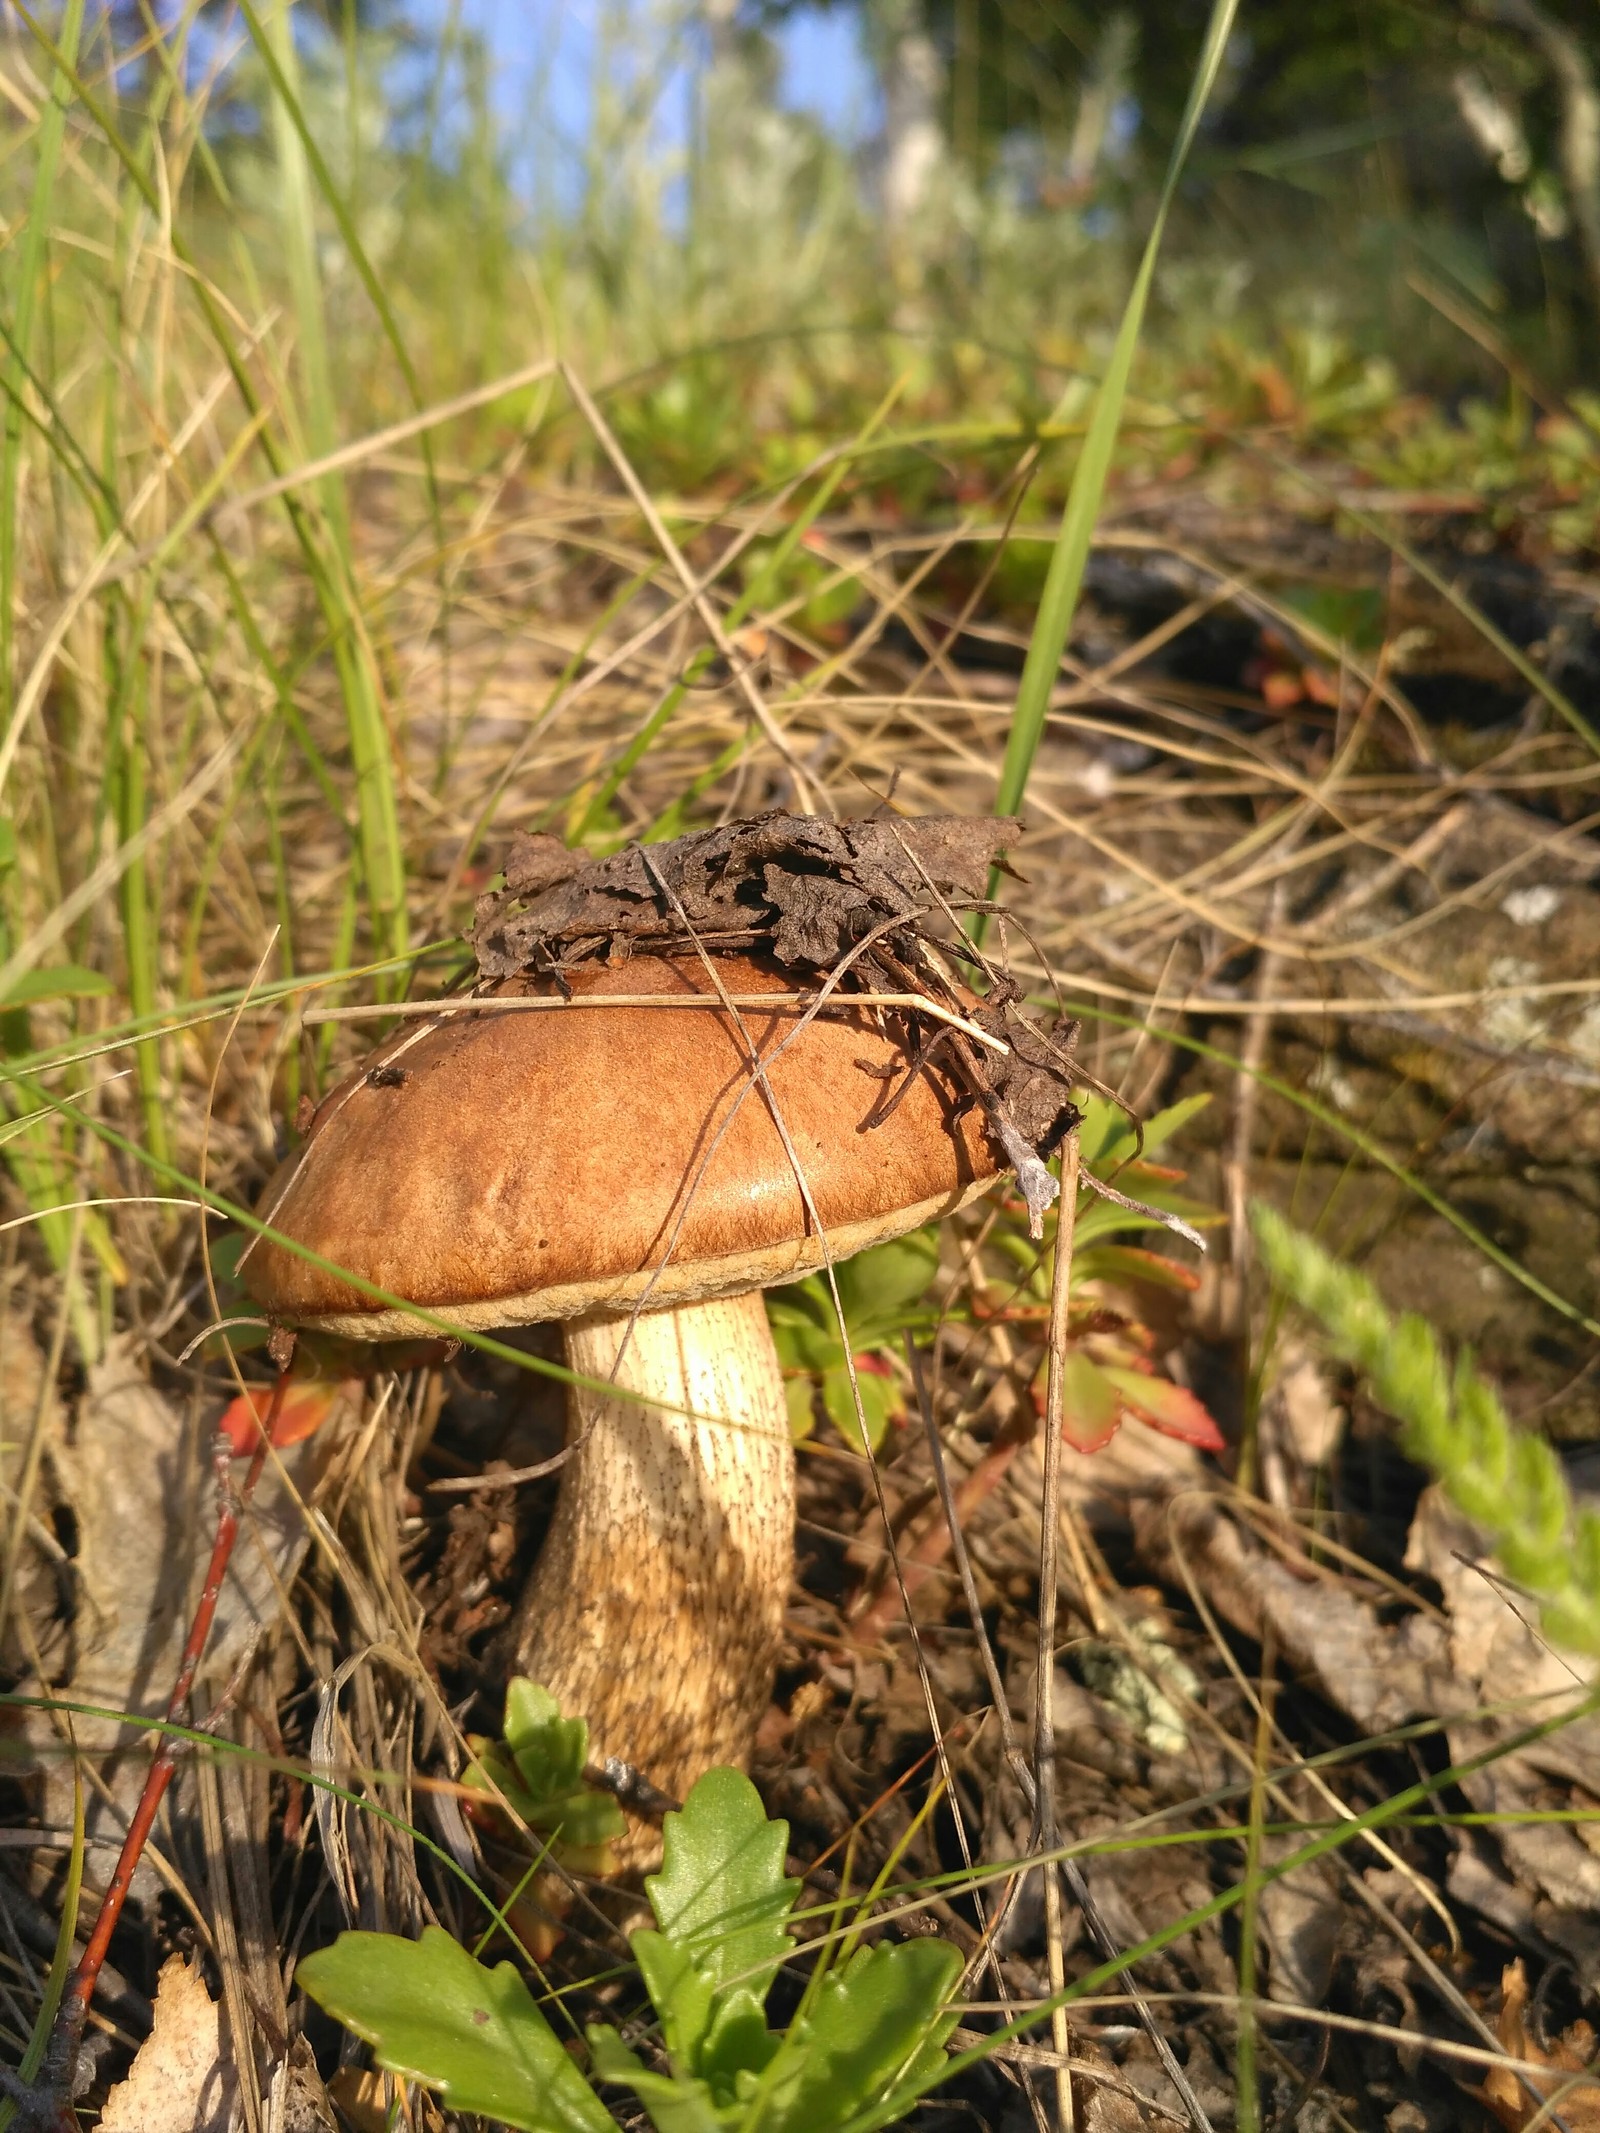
(806, 800)
(61, 2058)
(551, 1003)
(1044, 1836)
(1156, 1215)
(1234, 1285)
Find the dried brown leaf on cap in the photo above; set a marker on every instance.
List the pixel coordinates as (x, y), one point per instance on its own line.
(877, 895)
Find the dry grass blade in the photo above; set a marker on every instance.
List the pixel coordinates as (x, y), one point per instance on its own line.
(1045, 1834)
(317, 584)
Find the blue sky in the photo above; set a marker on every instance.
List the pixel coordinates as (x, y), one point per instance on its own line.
(542, 53)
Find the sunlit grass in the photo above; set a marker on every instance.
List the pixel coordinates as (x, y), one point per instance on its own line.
(274, 693)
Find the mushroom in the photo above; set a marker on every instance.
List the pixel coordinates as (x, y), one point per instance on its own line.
(623, 1171)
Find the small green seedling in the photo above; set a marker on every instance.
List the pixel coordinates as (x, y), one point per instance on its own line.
(529, 1789)
(536, 1769)
(869, 2032)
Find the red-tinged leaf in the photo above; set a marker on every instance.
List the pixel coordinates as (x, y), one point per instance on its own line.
(1143, 1172)
(1170, 1408)
(1091, 1408)
(307, 1403)
(1281, 689)
(874, 1365)
(1131, 1262)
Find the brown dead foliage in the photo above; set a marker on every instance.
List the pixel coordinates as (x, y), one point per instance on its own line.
(867, 906)
(1388, 896)
(1565, 2080)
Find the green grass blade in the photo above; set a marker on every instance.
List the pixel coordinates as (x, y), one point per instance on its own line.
(379, 845)
(1071, 552)
(382, 853)
(24, 300)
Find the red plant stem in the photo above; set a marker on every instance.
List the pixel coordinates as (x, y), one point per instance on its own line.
(74, 2010)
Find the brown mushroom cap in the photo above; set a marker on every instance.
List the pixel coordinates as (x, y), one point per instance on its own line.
(508, 1168)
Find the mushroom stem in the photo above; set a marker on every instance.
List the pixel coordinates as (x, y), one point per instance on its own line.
(656, 1606)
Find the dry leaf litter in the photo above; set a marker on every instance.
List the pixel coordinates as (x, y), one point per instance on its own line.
(1446, 884)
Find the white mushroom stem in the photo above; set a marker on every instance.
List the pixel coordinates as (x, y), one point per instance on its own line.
(657, 1603)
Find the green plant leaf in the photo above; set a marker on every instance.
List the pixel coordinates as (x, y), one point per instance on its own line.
(1091, 1407)
(1102, 1132)
(682, 1994)
(434, 2015)
(721, 1893)
(880, 1399)
(1107, 1138)
(879, 1292)
(574, 1818)
(63, 981)
(804, 1339)
(548, 1750)
(611, 2059)
(797, 1398)
(878, 1288)
(539, 1769)
(876, 2026)
(675, 2105)
(739, 2046)
(1160, 1129)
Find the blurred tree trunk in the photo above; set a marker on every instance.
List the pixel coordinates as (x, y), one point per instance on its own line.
(911, 73)
(1568, 61)
(1107, 80)
(720, 18)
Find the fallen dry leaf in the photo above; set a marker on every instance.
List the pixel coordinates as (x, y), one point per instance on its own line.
(143, 1498)
(181, 2076)
(306, 1405)
(362, 2096)
(297, 2102)
(1517, 2101)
